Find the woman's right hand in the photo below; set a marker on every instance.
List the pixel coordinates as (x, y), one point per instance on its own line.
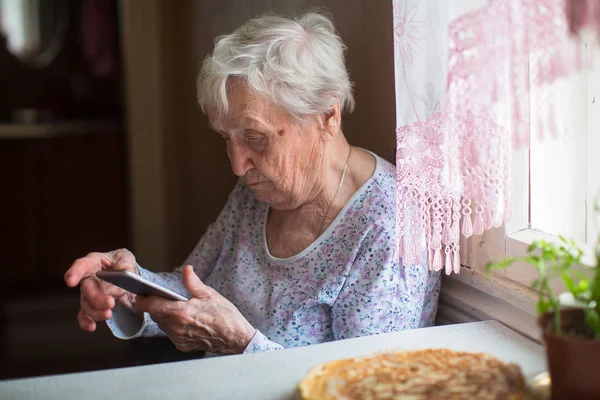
(97, 296)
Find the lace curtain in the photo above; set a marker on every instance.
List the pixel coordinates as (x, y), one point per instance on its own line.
(464, 71)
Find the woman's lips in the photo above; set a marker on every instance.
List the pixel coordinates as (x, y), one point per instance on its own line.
(255, 184)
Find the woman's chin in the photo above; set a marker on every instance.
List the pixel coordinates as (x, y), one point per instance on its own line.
(263, 198)
(264, 194)
(260, 191)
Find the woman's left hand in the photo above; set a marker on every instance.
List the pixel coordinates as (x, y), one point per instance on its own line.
(208, 321)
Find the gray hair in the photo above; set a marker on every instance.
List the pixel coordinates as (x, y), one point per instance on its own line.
(298, 63)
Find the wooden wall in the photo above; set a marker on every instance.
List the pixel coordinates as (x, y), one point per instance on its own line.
(191, 180)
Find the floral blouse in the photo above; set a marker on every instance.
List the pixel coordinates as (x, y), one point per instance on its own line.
(349, 282)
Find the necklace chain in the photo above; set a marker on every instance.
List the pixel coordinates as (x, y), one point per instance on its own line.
(338, 189)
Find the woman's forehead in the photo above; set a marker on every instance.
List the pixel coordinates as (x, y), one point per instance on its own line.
(247, 110)
(234, 122)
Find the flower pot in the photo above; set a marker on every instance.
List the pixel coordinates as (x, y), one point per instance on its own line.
(573, 360)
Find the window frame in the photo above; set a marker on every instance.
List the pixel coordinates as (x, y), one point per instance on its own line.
(504, 295)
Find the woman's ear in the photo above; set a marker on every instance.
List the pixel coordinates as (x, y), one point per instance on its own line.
(330, 122)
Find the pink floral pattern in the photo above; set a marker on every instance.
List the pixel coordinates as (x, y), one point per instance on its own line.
(453, 160)
(407, 31)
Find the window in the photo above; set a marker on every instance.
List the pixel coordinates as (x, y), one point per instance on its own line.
(565, 173)
(556, 180)
(555, 183)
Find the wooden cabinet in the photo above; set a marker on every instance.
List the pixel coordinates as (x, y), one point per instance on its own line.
(18, 211)
(62, 197)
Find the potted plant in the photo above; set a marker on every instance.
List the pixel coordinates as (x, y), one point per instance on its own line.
(571, 332)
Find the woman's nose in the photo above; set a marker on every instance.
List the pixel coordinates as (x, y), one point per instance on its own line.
(239, 157)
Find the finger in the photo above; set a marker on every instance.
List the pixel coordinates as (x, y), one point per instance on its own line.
(143, 303)
(92, 292)
(85, 322)
(194, 285)
(157, 306)
(94, 313)
(123, 260)
(82, 268)
(112, 291)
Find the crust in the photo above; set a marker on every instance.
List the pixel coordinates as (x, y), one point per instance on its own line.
(423, 374)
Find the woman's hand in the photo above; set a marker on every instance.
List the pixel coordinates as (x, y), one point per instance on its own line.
(207, 322)
(97, 296)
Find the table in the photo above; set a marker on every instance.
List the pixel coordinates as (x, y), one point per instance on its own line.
(270, 375)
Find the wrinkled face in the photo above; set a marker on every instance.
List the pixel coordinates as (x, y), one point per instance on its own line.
(280, 161)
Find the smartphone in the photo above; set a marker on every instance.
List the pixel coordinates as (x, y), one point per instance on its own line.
(137, 285)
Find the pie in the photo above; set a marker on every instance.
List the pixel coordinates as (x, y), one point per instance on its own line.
(415, 375)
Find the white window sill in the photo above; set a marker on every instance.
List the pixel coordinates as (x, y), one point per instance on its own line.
(503, 295)
(473, 295)
(516, 245)
(524, 274)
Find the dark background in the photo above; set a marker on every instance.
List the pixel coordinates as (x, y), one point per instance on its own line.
(124, 158)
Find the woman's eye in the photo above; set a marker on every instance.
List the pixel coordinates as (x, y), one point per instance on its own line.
(224, 136)
(258, 143)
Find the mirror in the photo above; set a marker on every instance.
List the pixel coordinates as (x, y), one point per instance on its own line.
(34, 30)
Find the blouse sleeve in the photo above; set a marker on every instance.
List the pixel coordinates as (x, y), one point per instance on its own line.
(260, 343)
(124, 324)
(380, 294)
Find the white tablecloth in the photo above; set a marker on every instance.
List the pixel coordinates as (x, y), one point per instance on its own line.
(268, 375)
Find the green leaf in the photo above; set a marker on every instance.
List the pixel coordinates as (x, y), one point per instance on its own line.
(592, 319)
(541, 267)
(543, 306)
(595, 285)
(562, 239)
(583, 286)
(533, 246)
(533, 260)
(569, 283)
(501, 264)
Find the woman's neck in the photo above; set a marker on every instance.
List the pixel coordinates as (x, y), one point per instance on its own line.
(334, 168)
(291, 231)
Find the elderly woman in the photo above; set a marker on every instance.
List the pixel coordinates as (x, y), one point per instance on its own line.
(304, 250)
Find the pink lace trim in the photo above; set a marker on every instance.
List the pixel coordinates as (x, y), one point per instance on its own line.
(583, 14)
(453, 167)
